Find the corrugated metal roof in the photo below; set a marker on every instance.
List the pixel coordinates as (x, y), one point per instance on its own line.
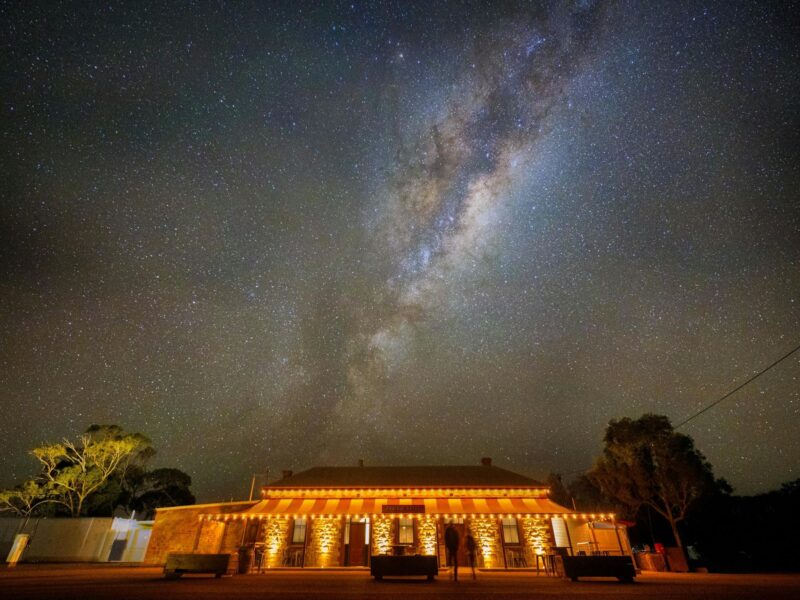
(379, 477)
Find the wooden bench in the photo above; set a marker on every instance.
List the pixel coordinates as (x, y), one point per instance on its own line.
(178, 564)
(399, 566)
(573, 567)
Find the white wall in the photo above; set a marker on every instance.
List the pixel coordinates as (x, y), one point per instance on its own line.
(8, 529)
(76, 540)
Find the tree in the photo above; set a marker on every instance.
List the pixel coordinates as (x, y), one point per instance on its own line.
(558, 492)
(24, 499)
(590, 498)
(143, 491)
(72, 471)
(102, 470)
(162, 487)
(645, 462)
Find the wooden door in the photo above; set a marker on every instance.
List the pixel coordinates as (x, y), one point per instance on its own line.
(357, 543)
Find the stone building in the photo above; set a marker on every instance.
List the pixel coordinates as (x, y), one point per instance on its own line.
(340, 516)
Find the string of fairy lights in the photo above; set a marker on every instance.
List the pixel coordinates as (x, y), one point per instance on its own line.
(536, 492)
(446, 516)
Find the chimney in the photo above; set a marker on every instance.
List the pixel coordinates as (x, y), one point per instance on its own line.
(486, 461)
(287, 473)
(360, 462)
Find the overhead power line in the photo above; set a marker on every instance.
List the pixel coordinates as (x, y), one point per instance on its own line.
(725, 397)
(736, 389)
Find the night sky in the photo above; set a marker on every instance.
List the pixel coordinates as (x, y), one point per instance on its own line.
(283, 235)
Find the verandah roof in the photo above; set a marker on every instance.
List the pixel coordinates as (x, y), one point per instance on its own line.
(437, 506)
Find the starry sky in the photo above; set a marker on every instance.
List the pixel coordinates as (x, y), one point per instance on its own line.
(278, 235)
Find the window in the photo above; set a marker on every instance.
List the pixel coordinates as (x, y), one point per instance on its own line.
(560, 532)
(510, 531)
(405, 531)
(299, 534)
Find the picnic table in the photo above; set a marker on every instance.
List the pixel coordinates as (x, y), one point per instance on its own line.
(387, 565)
(574, 567)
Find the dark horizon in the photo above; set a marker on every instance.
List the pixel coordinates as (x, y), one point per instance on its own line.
(275, 236)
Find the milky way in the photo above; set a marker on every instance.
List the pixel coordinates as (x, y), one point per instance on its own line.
(279, 235)
(447, 184)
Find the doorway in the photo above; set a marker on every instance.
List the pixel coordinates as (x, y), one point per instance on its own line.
(356, 544)
(461, 556)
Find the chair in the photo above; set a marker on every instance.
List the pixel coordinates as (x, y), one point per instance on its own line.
(295, 557)
(258, 558)
(540, 560)
(291, 557)
(515, 559)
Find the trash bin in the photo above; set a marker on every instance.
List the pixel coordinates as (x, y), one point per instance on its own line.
(245, 559)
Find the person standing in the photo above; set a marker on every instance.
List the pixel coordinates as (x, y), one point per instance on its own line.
(470, 543)
(452, 541)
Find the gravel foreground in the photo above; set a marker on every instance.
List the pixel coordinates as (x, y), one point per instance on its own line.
(89, 582)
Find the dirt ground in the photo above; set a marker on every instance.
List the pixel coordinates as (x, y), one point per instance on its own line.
(88, 582)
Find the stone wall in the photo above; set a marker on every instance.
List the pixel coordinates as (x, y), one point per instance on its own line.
(325, 542)
(231, 542)
(276, 538)
(536, 536)
(381, 534)
(177, 530)
(210, 537)
(486, 531)
(426, 534)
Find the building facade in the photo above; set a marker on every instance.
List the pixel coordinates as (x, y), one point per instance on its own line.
(340, 516)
